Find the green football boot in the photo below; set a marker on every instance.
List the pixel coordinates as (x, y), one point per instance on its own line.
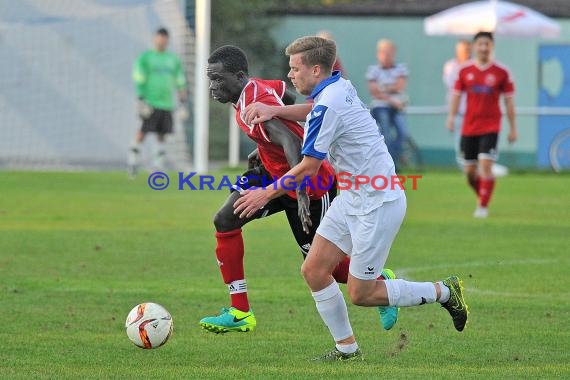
(456, 305)
(230, 320)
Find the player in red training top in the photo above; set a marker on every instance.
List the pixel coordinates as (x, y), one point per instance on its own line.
(279, 149)
(484, 81)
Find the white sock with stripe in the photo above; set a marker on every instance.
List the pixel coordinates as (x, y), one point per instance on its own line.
(406, 293)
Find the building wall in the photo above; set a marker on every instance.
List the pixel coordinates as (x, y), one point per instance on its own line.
(356, 39)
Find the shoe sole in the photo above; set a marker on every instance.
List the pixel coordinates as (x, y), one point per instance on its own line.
(358, 358)
(222, 330)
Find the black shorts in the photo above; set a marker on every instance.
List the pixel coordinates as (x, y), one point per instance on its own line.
(160, 121)
(259, 177)
(479, 147)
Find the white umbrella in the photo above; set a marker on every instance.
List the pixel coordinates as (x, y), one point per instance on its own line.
(500, 17)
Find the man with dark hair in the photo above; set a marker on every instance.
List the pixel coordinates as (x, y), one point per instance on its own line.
(363, 221)
(156, 73)
(484, 80)
(279, 149)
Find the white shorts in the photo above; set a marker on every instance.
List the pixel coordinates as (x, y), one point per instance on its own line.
(365, 238)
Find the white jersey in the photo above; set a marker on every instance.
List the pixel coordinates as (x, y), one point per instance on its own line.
(341, 127)
(450, 75)
(385, 77)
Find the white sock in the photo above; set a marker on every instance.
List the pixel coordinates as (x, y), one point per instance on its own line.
(332, 308)
(134, 153)
(159, 156)
(407, 293)
(347, 348)
(444, 293)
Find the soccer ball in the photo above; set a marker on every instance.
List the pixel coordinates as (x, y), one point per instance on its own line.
(149, 325)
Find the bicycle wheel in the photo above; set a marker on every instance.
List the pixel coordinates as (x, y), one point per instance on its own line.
(410, 157)
(560, 151)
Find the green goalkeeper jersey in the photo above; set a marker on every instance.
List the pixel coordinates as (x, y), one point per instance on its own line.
(156, 75)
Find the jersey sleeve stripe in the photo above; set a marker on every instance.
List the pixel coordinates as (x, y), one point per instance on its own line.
(315, 124)
(243, 96)
(262, 130)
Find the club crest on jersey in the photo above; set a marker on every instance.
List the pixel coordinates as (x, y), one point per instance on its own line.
(490, 80)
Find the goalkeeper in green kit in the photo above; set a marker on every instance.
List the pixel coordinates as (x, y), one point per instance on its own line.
(156, 73)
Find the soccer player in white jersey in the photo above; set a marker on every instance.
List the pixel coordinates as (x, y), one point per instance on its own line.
(361, 223)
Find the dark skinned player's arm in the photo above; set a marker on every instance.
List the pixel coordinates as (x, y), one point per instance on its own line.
(253, 159)
(280, 135)
(288, 97)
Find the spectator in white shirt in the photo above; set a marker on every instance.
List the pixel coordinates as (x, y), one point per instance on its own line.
(387, 82)
(450, 72)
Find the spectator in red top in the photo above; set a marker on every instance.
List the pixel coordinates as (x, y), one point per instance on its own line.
(483, 80)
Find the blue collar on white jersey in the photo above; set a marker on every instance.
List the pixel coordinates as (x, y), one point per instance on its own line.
(321, 86)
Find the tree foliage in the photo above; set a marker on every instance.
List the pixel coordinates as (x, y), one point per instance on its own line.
(248, 24)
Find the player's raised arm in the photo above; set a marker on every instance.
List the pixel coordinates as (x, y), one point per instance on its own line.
(258, 113)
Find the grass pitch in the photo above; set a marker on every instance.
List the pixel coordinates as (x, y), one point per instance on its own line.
(79, 250)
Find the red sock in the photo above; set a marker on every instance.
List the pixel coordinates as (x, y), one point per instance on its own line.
(485, 191)
(340, 273)
(229, 252)
(475, 184)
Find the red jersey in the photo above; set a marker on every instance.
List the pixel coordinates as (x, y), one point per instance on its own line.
(484, 86)
(273, 156)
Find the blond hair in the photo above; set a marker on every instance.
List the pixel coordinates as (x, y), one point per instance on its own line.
(384, 43)
(325, 34)
(314, 51)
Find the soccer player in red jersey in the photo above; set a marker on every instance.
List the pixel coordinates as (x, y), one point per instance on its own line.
(484, 80)
(279, 149)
